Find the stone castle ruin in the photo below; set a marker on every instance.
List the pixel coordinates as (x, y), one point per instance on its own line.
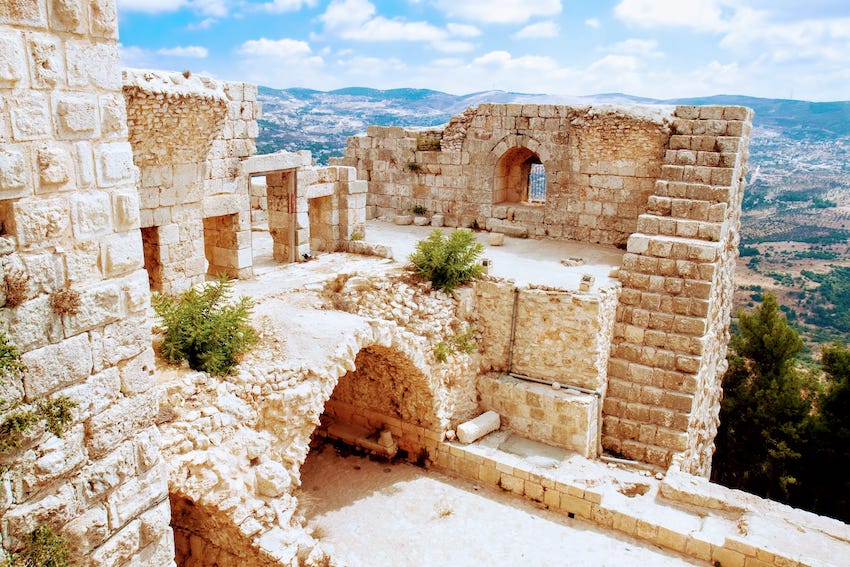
(113, 184)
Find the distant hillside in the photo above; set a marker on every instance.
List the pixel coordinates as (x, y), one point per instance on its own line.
(796, 206)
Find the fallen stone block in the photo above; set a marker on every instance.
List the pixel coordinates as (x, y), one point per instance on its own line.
(403, 220)
(496, 239)
(420, 221)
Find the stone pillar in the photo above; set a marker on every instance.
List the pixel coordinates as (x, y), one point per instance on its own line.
(669, 348)
(69, 207)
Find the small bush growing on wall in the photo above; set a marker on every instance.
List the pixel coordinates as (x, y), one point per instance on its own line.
(19, 419)
(43, 549)
(65, 302)
(17, 288)
(448, 261)
(204, 328)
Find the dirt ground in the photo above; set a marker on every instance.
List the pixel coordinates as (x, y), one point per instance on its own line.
(377, 514)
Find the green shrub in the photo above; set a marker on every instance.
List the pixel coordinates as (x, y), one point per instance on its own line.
(448, 261)
(419, 210)
(10, 358)
(465, 341)
(441, 351)
(204, 328)
(43, 549)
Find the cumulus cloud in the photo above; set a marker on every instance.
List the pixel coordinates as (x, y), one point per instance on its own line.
(641, 47)
(499, 11)
(538, 30)
(592, 22)
(358, 20)
(282, 6)
(504, 60)
(189, 51)
(279, 48)
(703, 15)
(217, 8)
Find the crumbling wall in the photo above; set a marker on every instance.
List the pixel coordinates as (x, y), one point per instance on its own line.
(670, 338)
(601, 164)
(189, 134)
(69, 209)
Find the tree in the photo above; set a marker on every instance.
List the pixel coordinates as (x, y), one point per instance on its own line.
(826, 485)
(764, 416)
(448, 261)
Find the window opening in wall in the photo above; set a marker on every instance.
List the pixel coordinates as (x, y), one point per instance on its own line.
(537, 183)
(150, 247)
(520, 178)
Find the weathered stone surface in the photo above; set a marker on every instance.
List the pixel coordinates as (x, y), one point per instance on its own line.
(56, 366)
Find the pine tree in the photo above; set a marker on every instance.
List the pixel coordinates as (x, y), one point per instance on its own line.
(764, 416)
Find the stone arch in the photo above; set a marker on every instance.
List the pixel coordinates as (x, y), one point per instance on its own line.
(514, 157)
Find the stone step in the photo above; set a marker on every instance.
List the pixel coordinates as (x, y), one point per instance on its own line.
(668, 226)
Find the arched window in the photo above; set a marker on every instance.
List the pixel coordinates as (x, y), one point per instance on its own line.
(520, 178)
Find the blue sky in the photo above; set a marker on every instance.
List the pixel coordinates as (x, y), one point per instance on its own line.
(655, 48)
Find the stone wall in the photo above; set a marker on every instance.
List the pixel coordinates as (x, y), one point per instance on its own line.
(308, 209)
(189, 134)
(562, 336)
(70, 215)
(670, 338)
(601, 163)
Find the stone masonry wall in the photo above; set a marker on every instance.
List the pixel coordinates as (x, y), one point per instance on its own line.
(601, 164)
(672, 324)
(560, 335)
(189, 134)
(70, 217)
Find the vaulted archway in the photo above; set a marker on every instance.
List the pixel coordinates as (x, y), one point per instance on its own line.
(520, 177)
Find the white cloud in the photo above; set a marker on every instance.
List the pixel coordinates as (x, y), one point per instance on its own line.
(135, 57)
(538, 30)
(463, 30)
(204, 24)
(190, 51)
(499, 11)
(641, 47)
(217, 8)
(820, 41)
(150, 6)
(703, 15)
(504, 60)
(452, 46)
(285, 49)
(346, 14)
(592, 22)
(282, 6)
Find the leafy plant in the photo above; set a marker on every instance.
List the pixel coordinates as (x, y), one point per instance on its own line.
(414, 167)
(17, 288)
(448, 261)
(357, 235)
(10, 358)
(441, 351)
(465, 341)
(204, 328)
(419, 210)
(43, 549)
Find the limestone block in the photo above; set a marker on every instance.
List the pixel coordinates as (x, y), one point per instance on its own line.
(496, 239)
(31, 118)
(104, 18)
(14, 172)
(147, 445)
(137, 374)
(476, 428)
(119, 548)
(57, 508)
(120, 421)
(421, 221)
(91, 214)
(13, 66)
(437, 220)
(272, 479)
(114, 164)
(55, 168)
(97, 393)
(76, 116)
(119, 341)
(23, 12)
(68, 15)
(82, 261)
(56, 366)
(99, 305)
(137, 495)
(84, 159)
(122, 253)
(46, 63)
(54, 457)
(40, 222)
(403, 219)
(93, 65)
(87, 531)
(125, 207)
(32, 324)
(136, 289)
(155, 524)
